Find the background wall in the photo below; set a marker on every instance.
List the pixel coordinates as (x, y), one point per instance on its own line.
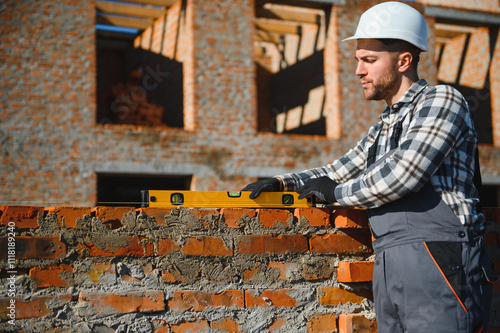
(56, 144)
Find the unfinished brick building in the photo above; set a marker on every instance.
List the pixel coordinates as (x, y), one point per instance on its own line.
(101, 99)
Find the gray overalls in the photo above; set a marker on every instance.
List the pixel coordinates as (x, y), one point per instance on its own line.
(430, 272)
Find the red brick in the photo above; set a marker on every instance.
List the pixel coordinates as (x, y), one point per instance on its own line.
(165, 246)
(233, 215)
(161, 326)
(68, 215)
(272, 218)
(322, 323)
(276, 325)
(33, 307)
(357, 323)
(28, 247)
(256, 244)
(199, 301)
(355, 271)
(337, 295)
(202, 213)
(350, 218)
(336, 243)
(133, 301)
(62, 329)
(200, 325)
(149, 247)
(316, 217)
(172, 276)
(50, 276)
(99, 269)
(114, 246)
(158, 213)
(276, 298)
(320, 270)
(496, 267)
(22, 216)
(492, 214)
(206, 246)
(283, 268)
(111, 216)
(249, 273)
(491, 239)
(225, 325)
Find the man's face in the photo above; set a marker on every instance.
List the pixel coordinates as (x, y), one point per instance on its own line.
(377, 70)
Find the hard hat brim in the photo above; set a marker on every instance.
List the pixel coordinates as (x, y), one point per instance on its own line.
(423, 47)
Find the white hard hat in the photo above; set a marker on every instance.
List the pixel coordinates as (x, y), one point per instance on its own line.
(393, 20)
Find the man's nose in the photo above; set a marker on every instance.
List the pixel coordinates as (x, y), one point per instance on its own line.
(360, 69)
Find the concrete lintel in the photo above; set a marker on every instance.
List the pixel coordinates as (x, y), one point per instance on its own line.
(490, 180)
(319, 4)
(461, 15)
(151, 169)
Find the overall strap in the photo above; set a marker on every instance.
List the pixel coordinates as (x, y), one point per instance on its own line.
(477, 180)
(372, 151)
(394, 142)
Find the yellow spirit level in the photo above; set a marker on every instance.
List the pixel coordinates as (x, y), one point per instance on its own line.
(219, 199)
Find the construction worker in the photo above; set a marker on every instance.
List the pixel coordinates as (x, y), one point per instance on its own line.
(414, 173)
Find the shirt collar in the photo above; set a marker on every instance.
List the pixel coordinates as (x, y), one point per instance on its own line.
(408, 97)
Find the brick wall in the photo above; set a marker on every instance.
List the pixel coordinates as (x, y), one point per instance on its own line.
(48, 98)
(122, 269)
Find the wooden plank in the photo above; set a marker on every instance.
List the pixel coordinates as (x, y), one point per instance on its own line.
(277, 26)
(451, 30)
(124, 9)
(140, 24)
(166, 3)
(115, 35)
(266, 36)
(288, 13)
(113, 44)
(318, 4)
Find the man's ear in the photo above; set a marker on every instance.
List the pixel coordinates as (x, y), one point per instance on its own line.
(405, 60)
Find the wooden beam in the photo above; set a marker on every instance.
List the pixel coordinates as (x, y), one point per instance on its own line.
(451, 30)
(259, 51)
(114, 44)
(288, 13)
(441, 40)
(140, 24)
(166, 3)
(118, 8)
(115, 35)
(318, 4)
(266, 36)
(277, 26)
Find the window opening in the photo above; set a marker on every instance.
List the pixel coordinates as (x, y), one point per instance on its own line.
(139, 73)
(289, 44)
(125, 189)
(465, 54)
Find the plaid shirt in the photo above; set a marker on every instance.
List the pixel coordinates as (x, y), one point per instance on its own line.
(437, 144)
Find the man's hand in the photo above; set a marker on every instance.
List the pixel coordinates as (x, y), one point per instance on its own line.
(323, 188)
(265, 185)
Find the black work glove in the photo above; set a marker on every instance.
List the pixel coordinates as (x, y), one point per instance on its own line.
(322, 188)
(265, 185)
